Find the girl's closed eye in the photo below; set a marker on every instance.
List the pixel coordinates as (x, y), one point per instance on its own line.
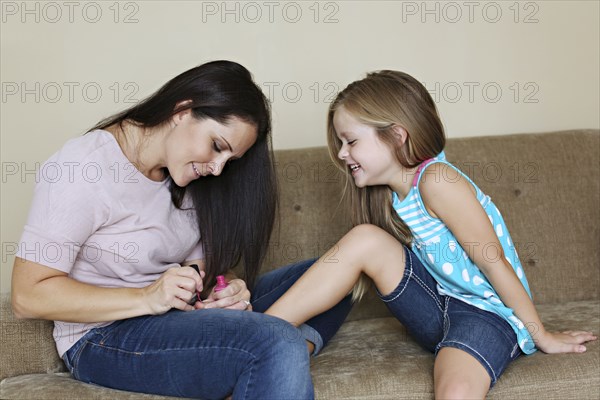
(216, 146)
(351, 142)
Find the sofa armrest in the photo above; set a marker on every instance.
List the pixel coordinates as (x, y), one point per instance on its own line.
(26, 346)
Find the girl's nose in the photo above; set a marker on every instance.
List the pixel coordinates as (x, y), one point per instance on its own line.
(343, 153)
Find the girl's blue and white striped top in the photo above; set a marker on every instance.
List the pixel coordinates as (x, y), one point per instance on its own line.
(446, 260)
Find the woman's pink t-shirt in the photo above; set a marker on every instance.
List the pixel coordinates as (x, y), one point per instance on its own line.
(97, 218)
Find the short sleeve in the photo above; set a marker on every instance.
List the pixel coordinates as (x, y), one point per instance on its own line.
(67, 208)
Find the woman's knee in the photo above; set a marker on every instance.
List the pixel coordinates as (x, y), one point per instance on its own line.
(270, 341)
(283, 367)
(289, 348)
(275, 339)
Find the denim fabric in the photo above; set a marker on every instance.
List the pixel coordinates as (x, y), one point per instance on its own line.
(209, 354)
(436, 321)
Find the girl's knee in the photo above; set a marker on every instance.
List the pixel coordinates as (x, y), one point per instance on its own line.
(459, 389)
(458, 375)
(366, 230)
(380, 255)
(370, 238)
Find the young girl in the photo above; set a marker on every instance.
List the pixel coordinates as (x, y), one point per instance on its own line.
(435, 246)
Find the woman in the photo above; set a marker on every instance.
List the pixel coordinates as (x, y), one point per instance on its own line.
(122, 220)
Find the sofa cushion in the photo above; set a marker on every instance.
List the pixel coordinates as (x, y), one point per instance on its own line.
(377, 359)
(63, 386)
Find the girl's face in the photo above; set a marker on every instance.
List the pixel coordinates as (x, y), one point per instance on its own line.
(196, 148)
(370, 161)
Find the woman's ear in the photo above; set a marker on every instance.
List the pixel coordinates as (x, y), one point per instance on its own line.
(179, 115)
(400, 133)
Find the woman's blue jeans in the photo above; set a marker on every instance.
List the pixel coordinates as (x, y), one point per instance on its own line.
(210, 354)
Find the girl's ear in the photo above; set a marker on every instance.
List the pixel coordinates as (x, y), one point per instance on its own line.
(400, 133)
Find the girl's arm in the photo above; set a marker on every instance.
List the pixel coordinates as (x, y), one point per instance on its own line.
(456, 204)
(42, 292)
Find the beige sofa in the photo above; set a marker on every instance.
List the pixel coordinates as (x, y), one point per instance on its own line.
(547, 187)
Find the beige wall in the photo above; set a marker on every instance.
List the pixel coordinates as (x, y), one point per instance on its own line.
(492, 67)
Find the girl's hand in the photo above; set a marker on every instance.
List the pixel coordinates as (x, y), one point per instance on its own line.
(235, 296)
(563, 342)
(174, 289)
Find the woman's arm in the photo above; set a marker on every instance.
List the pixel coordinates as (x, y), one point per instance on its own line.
(233, 297)
(455, 203)
(42, 292)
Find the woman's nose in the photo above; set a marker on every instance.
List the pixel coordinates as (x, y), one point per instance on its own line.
(216, 168)
(218, 165)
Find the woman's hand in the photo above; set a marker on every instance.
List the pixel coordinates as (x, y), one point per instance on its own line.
(563, 342)
(235, 296)
(174, 289)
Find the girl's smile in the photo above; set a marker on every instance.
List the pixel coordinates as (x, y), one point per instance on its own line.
(370, 161)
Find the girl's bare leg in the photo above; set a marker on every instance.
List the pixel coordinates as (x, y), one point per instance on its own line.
(365, 249)
(458, 375)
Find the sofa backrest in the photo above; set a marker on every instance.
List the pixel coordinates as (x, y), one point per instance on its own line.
(549, 195)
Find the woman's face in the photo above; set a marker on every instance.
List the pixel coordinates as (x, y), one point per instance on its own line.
(196, 148)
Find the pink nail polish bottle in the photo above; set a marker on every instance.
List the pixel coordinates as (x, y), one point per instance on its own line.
(221, 283)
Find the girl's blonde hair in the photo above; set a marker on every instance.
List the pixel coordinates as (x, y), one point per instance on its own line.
(384, 100)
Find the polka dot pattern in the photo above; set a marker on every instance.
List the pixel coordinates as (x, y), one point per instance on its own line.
(465, 275)
(447, 268)
(448, 262)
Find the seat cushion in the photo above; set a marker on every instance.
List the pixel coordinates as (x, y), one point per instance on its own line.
(377, 359)
(62, 386)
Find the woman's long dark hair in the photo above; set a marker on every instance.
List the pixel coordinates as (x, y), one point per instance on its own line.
(235, 210)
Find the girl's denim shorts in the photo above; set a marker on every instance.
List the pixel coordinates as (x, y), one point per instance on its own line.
(437, 321)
